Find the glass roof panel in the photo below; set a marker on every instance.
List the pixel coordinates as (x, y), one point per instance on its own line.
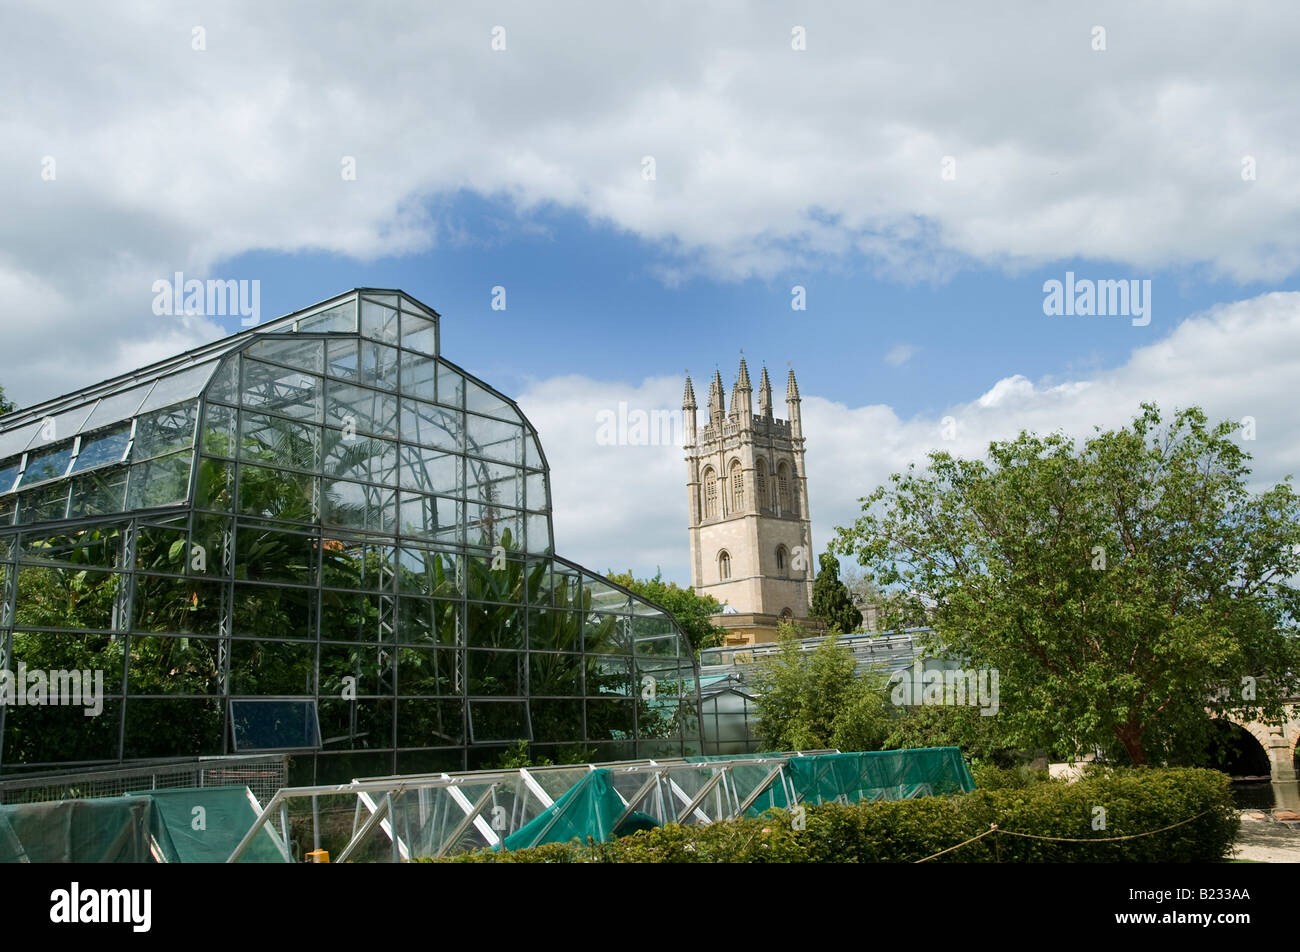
(180, 386)
(100, 448)
(340, 317)
(303, 354)
(15, 441)
(118, 406)
(60, 426)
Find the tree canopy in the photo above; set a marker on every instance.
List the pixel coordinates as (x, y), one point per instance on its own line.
(814, 701)
(831, 602)
(1126, 589)
(691, 611)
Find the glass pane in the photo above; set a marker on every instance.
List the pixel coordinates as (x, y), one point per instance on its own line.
(348, 456)
(9, 473)
(419, 333)
(276, 441)
(494, 482)
(15, 441)
(536, 495)
(44, 503)
(306, 355)
(359, 506)
(494, 439)
(218, 437)
(340, 317)
(430, 517)
(499, 721)
(277, 494)
(117, 406)
(451, 386)
(264, 555)
(537, 532)
(164, 431)
(99, 493)
(157, 727)
(431, 425)
(419, 374)
(183, 385)
(175, 665)
(47, 464)
(60, 426)
(274, 725)
(430, 471)
(161, 482)
(286, 392)
(224, 385)
(378, 321)
(361, 410)
(279, 612)
(104, 447)
(495, 673)
(481, 400)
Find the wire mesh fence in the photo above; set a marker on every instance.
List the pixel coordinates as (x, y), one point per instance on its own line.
(264, 775)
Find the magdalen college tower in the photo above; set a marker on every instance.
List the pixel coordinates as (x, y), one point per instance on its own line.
(751, 537)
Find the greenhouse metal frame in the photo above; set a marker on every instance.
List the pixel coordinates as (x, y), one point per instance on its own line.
(316, 536)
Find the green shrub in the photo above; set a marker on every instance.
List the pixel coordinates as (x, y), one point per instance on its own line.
(1134, 800)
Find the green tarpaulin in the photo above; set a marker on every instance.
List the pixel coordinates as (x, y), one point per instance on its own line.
(205, 824)
(112, 830)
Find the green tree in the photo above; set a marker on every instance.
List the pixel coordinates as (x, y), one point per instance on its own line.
(691, 611)
(6, 405)
(814, 700)
(831, 601)
(1126, 589)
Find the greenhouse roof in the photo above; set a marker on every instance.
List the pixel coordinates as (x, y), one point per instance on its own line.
(183, 376)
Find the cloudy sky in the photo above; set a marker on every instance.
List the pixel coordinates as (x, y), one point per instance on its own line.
(649, 184)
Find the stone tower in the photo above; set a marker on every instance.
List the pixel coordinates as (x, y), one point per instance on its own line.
(751, 536)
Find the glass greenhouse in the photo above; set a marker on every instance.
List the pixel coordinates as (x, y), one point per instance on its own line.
(316, 536)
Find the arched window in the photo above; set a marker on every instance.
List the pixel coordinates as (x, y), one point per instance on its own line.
(786, 614)
(780, 559)
(737, 487)
(783, 487)
(760, 485)
(724, 565)
(710, 494)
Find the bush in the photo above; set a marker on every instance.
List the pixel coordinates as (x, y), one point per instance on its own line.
(1135, 801)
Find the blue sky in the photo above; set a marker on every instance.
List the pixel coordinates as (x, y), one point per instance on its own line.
(921, 170)
(585, 298)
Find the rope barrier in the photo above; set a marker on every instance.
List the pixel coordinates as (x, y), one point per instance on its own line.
(993, 828)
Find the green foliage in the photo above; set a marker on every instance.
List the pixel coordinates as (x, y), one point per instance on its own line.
(6, 405)
(831, 601)
(516, 755)
(904, 831)
(689, 610)
(949, 726)
(1121, 587)
(814, 701)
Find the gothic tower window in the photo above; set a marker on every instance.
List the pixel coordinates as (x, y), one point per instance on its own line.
(710, 495)
(737, 487)
(780, 559)
(724, 565)
(760, 485)
(783, 487)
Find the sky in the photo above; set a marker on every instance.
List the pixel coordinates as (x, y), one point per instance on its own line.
(657, 187)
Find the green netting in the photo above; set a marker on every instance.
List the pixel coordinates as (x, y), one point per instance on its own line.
(205, 824)
(880, 775)
(111, 830)
(591, 807)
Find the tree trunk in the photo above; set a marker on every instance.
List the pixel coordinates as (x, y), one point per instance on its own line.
(1130, 735)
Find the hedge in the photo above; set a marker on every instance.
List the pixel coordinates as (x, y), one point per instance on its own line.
(1135, 801)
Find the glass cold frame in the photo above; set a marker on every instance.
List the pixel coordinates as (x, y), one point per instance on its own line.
(316, 536)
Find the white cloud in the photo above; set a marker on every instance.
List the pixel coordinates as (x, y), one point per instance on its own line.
(169, 158)
(900, 355)
(1237, 360)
